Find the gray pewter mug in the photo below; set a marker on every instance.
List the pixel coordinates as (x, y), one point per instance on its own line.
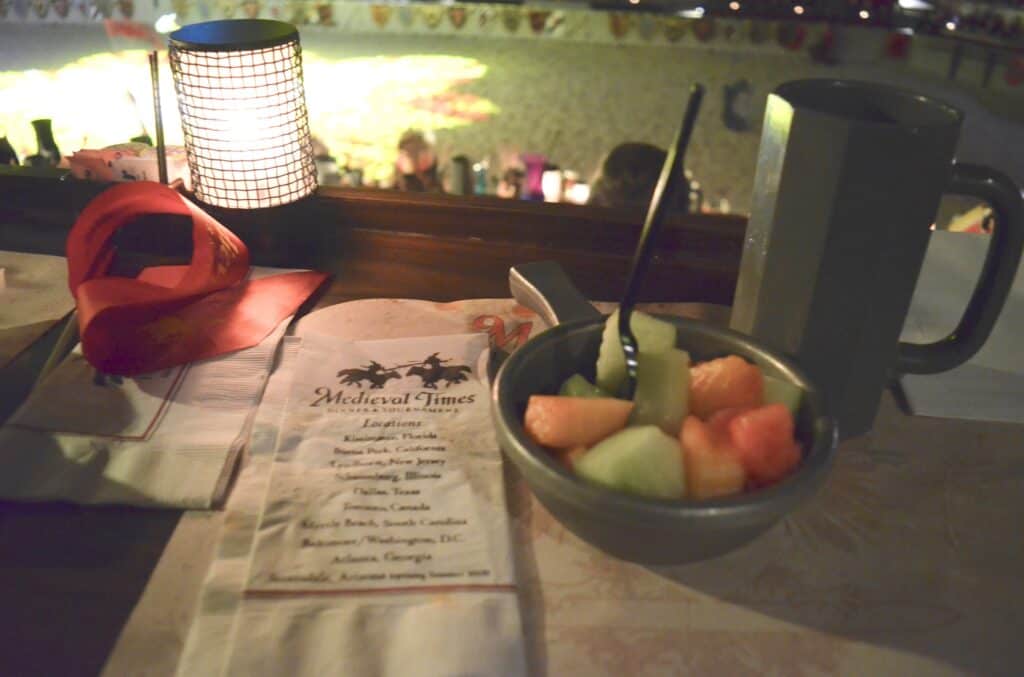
(849, 179)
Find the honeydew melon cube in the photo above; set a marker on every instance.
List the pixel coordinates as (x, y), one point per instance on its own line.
(662, 390)
(578, 386)
(777, 391)
(640, 460)
(652, 336)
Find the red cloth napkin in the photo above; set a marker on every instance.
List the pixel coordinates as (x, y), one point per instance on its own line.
(170, 315)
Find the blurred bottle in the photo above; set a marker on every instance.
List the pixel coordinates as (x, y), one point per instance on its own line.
(480, 173)
(48, 154)
(353, 178)
(552, 183)
(327, 171)
(7, 154)
(462, 181)
(535, 164)
(696, 204)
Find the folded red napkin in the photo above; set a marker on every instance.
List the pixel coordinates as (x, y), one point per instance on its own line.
(170, 315)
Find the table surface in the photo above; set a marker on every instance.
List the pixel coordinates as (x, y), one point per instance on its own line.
(908, 562)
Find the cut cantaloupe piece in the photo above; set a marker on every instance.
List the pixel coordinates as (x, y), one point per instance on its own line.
(723, 383)
(566, 422)
(652, 336)
(662, 390)
(640, 460)
(712, 468)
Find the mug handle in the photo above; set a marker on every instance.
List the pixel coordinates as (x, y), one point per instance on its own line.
(997, 273)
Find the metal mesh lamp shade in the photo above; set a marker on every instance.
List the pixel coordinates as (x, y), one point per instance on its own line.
(243, 112)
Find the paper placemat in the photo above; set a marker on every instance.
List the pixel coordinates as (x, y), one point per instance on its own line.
(168, 439)
(385, 525)
(33, 297)
(384, 477)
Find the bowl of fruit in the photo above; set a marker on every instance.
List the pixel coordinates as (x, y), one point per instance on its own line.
(722, 438)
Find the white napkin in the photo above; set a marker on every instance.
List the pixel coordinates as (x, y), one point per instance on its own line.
(167, 439)
(990, 386)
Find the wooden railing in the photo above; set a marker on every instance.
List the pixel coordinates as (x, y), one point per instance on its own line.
(391, 244)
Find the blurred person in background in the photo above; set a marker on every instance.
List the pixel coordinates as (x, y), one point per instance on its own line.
(511, 183)
(628, 175)
(416, 167)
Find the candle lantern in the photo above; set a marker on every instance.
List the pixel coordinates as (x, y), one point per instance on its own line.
(243, 112)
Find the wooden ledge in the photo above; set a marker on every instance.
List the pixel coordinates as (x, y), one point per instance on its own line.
(381, 243)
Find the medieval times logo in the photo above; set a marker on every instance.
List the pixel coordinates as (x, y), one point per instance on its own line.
(432, 370)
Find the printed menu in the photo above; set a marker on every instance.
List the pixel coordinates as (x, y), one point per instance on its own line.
(387, 476)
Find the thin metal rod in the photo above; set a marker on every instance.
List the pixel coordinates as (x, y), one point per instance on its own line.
(161, 151)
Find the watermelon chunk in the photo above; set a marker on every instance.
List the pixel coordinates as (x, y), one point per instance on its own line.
(639, 460)
(764, 443)
(662, 390)
(652, 336)
(566, 422)
(712, 467)
(724, 383)
(578, 386)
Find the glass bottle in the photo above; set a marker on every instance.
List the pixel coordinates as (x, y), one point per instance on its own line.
(48, 153)
(7, 154)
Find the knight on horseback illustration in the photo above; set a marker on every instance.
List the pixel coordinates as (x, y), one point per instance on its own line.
(376, 373)
(432, 370)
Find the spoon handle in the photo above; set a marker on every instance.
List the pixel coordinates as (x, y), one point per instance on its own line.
(671, 174)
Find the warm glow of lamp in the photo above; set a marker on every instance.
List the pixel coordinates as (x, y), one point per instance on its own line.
(243, 112)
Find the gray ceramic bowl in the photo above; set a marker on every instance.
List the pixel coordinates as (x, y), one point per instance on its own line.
(633, 528)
